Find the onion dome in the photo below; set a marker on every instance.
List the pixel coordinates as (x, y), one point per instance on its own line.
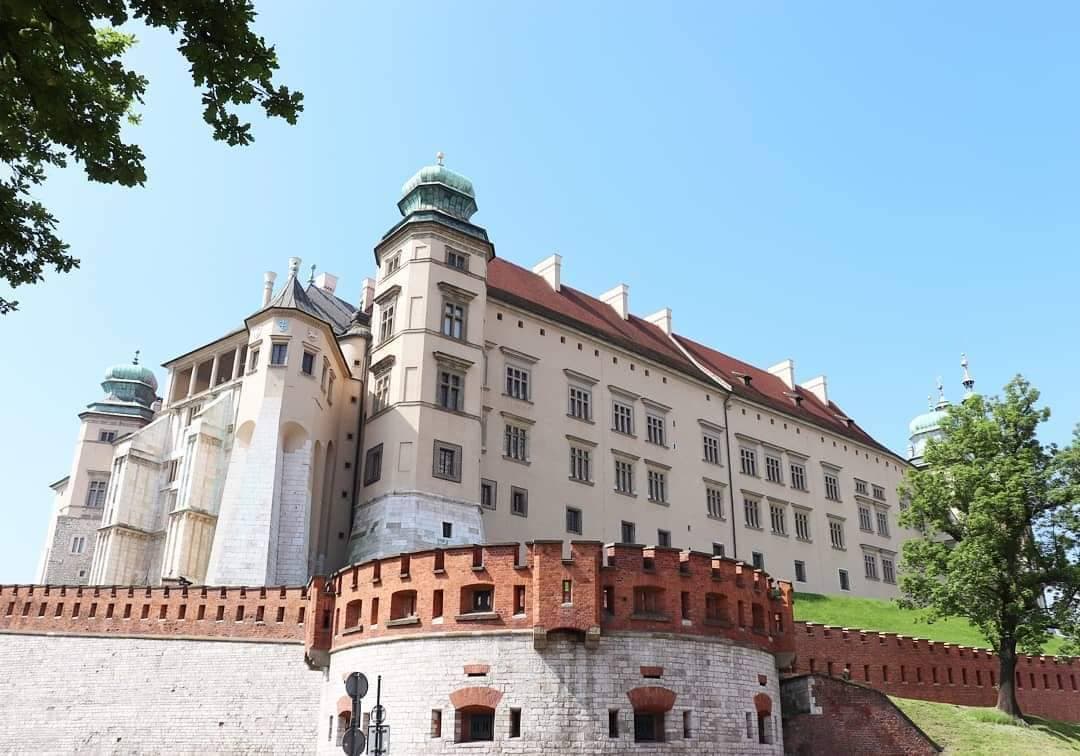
(436, 187)
(129, 384)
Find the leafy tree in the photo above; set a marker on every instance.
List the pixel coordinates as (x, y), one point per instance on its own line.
(65, 94)
(999, 519)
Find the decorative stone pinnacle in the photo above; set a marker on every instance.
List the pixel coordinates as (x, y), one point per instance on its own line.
(439, 157)
(311, 280)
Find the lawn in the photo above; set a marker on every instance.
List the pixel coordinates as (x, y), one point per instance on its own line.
(885, 616)
(983, 732)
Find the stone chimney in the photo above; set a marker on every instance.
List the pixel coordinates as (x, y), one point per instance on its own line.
(327, 282)
(816, 386)
(619, 299)
(268, 286)
(367, 294)
(785, 371)
(550, 269)
(661, 319)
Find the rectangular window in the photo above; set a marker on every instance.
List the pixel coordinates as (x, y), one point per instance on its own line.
(515, 718)
(481, 600)
(778, 519)
(657, 486)
(515, 443)
(648, 727)
(519, 501)
(622, 418)
(883, 523)
(758, 560)
(613, 723)
(718, 549)
(457, 259)
(573, 520)
(798, 476)
(663, 538)
(436, 723)
(447, 462)
(845, 582)
(865, 523)
(580, 464)
(488, 491)
(802, 526)
(687, 731)
(888, 570)
(832, 487)
(752, 514)
(78, 544)
(714, 502)
(107, 436)
(624, 476)
(95, 494)
(519, 599)
(879, 493)
(380, 399)
(870, 565)
(278, 354)
(654, 429)
(836, 534)
(373, 464)
(517, 382)
(773, 470)
(748, 461)
(860, 487)
(567, 592)
(307, 364)
(450, 390)
(580, 403)
(711, 449)
(453, 323)
(800, 571)
(393, 263)
(386, 320)
(448, 530)
(627, 532)
(254, 360)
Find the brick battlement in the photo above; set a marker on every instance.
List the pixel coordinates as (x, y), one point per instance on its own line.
(901, 665)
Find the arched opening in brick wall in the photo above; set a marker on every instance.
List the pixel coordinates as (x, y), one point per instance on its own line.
(353, 613)
(478, 598)
(716, 609)
(403, 605)
(649, 602)
(765, 723)
(757, 613)
(650, 703)
(474, 713)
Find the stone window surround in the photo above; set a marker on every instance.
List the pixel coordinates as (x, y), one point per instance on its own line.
(455, 475)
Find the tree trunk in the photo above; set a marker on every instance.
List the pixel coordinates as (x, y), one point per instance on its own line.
(1006, 701)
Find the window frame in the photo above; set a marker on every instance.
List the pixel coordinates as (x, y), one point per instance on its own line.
(455, 474)
(584, 402)
(449, 318)
(276, 348)
(447, 388)
(493, 499)
(373, 457)
(523, 493)
(752, 513)
(714, 491)
(622, 413)
(517, 382)
(574, 516)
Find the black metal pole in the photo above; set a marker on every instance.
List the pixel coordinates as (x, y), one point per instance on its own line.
(356, 726)
(378, 724)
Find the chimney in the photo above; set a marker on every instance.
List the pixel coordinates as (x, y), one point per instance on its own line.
(367, 294)
(661, 319)
(785, 371)
(268, 286)
(550, 269)
(327, 282)
(619, 299)
(816, 386)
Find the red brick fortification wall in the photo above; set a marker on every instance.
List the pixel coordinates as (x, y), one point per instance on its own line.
(823, 715)
(899, 665)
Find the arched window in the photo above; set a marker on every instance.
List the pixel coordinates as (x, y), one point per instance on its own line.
(403, 605)
(478, 598)
(650, 704)
(474, 723)
(353, 613)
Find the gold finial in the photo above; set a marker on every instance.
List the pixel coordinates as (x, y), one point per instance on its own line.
(439, 157)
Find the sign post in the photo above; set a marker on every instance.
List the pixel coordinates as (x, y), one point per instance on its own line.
(353, 741)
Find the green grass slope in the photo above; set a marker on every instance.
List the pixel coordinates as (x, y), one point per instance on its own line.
(986, 732)
(885, 616)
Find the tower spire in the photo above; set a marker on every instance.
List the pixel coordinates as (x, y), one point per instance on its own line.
(942, 401)
(135, 360)
(968, 382)
(311, 279)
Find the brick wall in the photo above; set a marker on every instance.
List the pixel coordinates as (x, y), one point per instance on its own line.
(828, 716)
(915, 668)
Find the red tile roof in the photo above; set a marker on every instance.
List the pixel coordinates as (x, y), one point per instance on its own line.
(517, 286)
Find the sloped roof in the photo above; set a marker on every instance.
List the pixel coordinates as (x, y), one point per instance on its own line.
(335, 310)
(293, 297)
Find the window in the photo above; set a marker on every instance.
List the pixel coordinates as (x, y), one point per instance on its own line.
(448, 530)
(373, 464)
(715, 607)
(488, 491)
(798, 476)
(515, 723)
(870, 565)
(380, 399)
(657, 486)
(802, 525)
(687, 730)
(845, 582)
(758, 560)
(711, 447)
(883, 523)
(800, 571)
(752, 514)
(648, 727)
(718, 549)
(386, 320)
(663, 538)
(860, 487)
(573, 520)
(393, 263)
(457, 259)
(95, 494)
(567, 591)
(278, 354)
(447, 462)
(453, 323)
(613, 723)
(714, 502)
(580, 403)
(517, 382)
(478, 724)
(778, 519)
(627, 532)
(888, 570)
(436, 723)
(450, 393)
(253, 362)
(78, 544)
(654, 429)
(307, 363)
(515, 443)
(832, 487)
(836, 534)
(106, 435)
(580, 464)
(622, 418)
(879, 493)
(773, 470)
(748, 461)
(519, 501)
(481, 600)
(624, 476)
(865, 523)
(519, 599)
(764, 727)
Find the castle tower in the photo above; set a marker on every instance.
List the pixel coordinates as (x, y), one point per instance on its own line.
(928, 425)
(420, 485)
(128, 405)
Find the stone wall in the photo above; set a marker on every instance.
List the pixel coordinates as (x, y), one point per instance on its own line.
(148, 696)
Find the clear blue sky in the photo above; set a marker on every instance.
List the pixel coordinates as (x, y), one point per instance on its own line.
(867, 190)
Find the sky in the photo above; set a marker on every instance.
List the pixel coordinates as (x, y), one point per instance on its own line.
(869, 189)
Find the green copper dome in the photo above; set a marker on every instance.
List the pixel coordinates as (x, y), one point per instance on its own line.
(926, 422)
(133, 372)
(436, 187)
